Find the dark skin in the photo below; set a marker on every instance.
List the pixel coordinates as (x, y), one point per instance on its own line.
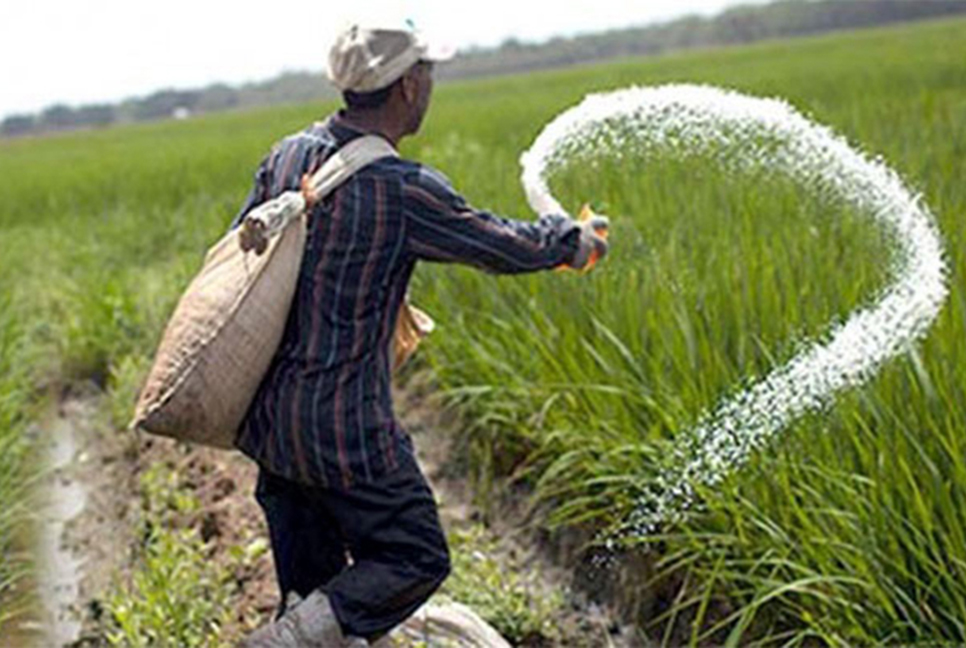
(403, 112)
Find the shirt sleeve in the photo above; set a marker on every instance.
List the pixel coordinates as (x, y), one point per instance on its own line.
(442, 227)
(258, 193)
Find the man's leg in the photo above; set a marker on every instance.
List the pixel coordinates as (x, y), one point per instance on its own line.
(397, 545)
(307, 545)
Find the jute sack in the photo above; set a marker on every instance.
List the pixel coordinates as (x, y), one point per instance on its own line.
(229, 322)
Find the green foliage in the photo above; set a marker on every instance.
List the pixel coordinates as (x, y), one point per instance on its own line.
(14, 471)
(173, 599)
(502, 593)
(176, 596)
(850, 532)
(127, 377)
(847, 533)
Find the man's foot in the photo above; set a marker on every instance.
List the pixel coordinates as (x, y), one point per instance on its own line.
(308, 623)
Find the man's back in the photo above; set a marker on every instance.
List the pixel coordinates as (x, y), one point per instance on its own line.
(323, 414)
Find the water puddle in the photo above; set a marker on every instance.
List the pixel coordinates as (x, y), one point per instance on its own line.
(59, 568)
(81, 530)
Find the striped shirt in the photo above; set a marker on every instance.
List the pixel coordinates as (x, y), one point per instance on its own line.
(323, 414)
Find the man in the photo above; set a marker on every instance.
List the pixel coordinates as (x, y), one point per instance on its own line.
(355, 534)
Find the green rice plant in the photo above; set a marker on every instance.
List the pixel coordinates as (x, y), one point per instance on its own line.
(127, 378)
(846, 531)
(176, 596)
(660, 334)
(14, 469)
(500, 592)
(575, 384)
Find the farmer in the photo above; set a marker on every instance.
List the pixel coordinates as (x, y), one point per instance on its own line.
(354, 529)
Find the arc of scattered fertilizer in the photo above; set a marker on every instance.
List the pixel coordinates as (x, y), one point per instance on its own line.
(767, 134)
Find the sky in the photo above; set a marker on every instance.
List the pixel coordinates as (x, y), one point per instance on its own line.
(89, 51)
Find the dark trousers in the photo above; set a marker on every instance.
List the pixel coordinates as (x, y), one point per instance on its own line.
(377, 550)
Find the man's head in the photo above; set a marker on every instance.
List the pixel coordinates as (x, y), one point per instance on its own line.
(384, 70)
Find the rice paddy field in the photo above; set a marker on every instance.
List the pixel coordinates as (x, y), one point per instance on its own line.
(848, 529)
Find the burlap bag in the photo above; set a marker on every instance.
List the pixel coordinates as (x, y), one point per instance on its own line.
(228, 324)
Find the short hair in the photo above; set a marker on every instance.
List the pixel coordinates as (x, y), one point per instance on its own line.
(376, 98)
(368, 100)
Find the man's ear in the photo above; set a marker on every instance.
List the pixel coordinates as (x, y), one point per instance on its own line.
(408, 86)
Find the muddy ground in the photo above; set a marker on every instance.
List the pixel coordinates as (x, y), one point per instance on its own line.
(99, 540)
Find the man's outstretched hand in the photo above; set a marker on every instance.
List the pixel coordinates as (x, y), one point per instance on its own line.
(593, 244)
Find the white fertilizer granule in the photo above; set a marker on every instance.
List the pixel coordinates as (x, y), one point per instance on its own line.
(745, 134)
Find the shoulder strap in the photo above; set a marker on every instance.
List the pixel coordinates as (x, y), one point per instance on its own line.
(342, 164)
(271, 217)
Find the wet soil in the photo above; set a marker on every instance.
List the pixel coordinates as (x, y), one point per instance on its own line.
(80, 525)
(91, 544)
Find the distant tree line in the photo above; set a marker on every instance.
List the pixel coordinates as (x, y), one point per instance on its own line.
(782, 19)
(743, 24)
(287, 88)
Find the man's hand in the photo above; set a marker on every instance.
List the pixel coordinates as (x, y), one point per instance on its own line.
(252, 236)
(592, 244)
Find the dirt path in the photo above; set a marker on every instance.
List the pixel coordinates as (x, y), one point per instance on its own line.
(63, 499)
(81, 527)
(98, 538)
(91, 542)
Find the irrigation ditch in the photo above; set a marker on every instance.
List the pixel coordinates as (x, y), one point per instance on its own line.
(89, 533)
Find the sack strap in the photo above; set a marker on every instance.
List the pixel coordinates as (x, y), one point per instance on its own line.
(342, 164)
(270, 218)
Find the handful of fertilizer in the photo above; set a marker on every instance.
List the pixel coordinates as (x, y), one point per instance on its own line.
(586, 215)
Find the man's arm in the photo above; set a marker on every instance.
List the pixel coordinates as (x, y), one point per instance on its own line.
(442, 227)
(258, 193)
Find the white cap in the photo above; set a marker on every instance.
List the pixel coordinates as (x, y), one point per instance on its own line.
(365, 59)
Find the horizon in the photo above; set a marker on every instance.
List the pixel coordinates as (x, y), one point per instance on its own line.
(109, 51)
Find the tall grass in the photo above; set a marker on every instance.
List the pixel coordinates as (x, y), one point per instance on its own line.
(848, 531)
(100, 232)
(14, 505)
